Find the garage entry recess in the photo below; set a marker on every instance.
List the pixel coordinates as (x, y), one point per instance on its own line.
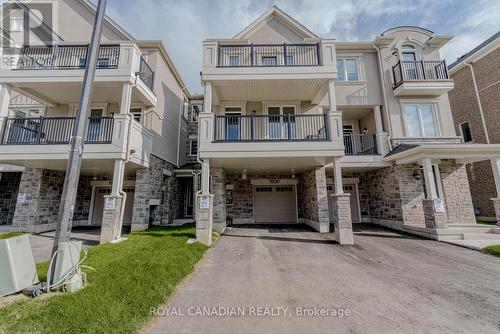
(275, 204)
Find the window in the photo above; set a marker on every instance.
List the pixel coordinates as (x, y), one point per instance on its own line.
(278, 127)
(233, 119)
(420, 120)
(269, 61)
(348, 129)
(290, 60)
(234, 61)
(465, 131)
(195, 111)
(193, 147)
(16, 20)
(103, 63)
(347, 69)
(137, 113)
(408, 53)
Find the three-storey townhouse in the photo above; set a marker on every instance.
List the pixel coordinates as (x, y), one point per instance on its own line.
(301, 129)
(133, 134)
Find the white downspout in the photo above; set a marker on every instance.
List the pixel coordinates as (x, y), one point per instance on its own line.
(384, 95)
(479, 103)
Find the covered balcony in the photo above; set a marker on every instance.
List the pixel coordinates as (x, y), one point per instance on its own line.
(421, 78)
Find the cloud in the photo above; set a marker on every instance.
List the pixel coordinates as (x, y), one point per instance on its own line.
(183, 25)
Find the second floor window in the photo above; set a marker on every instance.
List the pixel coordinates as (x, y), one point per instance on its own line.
(269, 61)
(195, 111)
(234, 61)
(137, 113)
(193, 147)
(420, 120)
(347, 69)
(465, 131)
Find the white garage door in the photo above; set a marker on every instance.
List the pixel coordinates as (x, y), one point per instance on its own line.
(275, 204)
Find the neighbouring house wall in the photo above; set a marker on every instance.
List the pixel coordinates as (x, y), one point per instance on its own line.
(153, 185)
(42, 189)
(465, 108)
(456, 193)
(482, 188)
(170, 102)
(9, 185)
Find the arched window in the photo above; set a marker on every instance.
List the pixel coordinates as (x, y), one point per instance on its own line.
(408, 52)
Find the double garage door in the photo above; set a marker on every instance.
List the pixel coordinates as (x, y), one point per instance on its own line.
(275, 204)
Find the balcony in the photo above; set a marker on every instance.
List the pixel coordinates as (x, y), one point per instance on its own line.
(269, 55)
(54, 130)
(271, 128)
(421, 78)
(360, 144)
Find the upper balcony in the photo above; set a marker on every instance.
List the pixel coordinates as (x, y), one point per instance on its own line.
(37, 67)
(421, 78)
(241, 60)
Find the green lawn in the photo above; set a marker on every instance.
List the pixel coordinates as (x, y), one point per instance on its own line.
(10, 235)
(484, 222)
(493, 250)
(131, 277)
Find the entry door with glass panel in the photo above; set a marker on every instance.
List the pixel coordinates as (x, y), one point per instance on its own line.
(95, 125)
(233, 123)
(282, 122)
(409, 64)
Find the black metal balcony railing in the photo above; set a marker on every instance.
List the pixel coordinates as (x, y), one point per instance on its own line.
(66, 57)
(360, 144)
(269, 55)
(146, 74)
(271, 128)
(54, 130)
(419, 70)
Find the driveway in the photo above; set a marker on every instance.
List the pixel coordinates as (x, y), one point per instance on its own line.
(388, 282)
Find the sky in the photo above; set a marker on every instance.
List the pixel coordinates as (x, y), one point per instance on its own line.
(184, 24)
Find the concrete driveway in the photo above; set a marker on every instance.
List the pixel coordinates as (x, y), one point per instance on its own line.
(390, 283)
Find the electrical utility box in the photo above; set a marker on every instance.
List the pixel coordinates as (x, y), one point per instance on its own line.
(17, 265)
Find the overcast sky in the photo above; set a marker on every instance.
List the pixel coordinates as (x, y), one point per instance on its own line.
(184, 24)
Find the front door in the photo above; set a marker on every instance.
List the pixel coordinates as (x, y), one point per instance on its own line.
(348, 189)
(97, 211)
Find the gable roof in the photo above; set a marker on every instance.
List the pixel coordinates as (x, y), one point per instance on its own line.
(470, 55)
(280, 15)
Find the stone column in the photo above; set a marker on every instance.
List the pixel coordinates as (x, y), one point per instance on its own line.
(341, 206)
(434, 208)
(315, 199)
(204, 207)
(218, 189)
(112, 213)
(495, 166)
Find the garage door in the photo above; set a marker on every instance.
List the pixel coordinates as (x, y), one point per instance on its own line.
(275, 204)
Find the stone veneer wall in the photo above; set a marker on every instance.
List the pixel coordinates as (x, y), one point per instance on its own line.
(456, 193)
(364, 197)
(43, 189)
(151, 184)
(9, 185)
(395, 196)
(313, 199)
(218, 190)
(241, 211)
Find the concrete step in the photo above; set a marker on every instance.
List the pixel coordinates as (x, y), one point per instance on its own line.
(482, 236)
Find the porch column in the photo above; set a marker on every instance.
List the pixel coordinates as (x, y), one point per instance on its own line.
(204, 207)
(495, 166)
(207, 102)
(5, 96)
(382, 143)
(335, 117)
(341, 206)
(126, 98)
(112, 212)
(434, 208)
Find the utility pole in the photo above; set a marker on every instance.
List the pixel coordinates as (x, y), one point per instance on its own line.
(67, 207)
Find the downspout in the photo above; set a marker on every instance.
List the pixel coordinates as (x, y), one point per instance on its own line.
(479, 104)
(384, 95)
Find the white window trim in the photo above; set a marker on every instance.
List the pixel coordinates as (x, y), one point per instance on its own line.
(462, 132)
(281, 104)
(191, 141)
(359, 63)
(103, 106)
(139, 106)
(191, 114)
(418, 49)
(435, 113)
(235, 104)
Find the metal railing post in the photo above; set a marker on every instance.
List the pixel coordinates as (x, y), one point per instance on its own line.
(423, 69)
(289, 127)
(251, 55)
(252, 124)
(285, 62)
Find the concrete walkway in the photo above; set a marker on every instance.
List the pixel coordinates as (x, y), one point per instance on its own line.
(390, 283)
(41, 244)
